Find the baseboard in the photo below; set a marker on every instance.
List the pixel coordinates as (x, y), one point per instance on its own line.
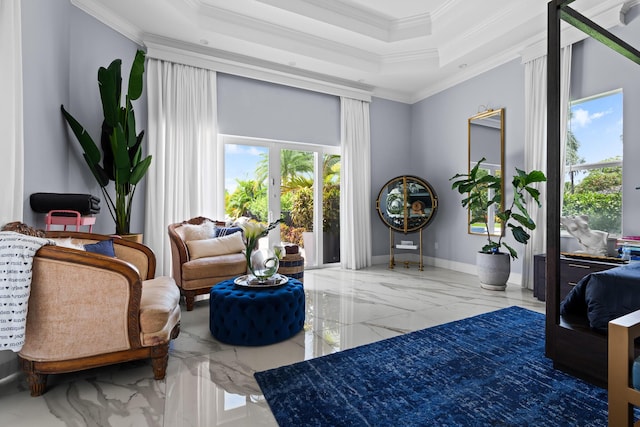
(515, 279)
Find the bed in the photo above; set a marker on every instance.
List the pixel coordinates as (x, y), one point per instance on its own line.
(603, 296)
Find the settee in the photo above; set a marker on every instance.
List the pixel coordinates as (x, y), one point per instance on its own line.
(87, 309)
(201, 257)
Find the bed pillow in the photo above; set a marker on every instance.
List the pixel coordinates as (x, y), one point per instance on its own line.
(230, 244)
(575, 303)
(206, 230)
(612, 293)
(103, 247)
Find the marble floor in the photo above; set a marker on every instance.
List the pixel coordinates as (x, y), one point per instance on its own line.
(211, 384)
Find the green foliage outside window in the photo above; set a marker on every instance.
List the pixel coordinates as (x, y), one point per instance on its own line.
(250, 196)
(599, 196)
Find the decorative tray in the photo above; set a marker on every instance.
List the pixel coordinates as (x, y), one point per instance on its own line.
(249, 281)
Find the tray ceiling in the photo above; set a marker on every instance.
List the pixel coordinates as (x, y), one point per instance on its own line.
(404, 50)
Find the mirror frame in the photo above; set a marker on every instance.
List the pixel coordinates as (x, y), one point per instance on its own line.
(472, 162)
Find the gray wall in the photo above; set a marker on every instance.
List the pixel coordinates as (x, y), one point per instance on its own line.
(63, 48)
(390, 157)
(254, 108)
(439, 151)
(45, 61)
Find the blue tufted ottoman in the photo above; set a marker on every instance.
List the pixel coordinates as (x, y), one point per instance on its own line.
(252, 316)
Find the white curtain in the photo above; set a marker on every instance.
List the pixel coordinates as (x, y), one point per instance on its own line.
(11, 142)
(535, 135)
(355, 192)
(182, 139)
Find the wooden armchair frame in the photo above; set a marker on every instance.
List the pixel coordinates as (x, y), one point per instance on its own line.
(33, 359)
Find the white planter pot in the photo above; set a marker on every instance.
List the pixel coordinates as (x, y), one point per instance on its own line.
(309, 242)
(493, 270)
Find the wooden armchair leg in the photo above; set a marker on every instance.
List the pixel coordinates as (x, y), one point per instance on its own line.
(37, 381)
(189, 298)
(160, 360)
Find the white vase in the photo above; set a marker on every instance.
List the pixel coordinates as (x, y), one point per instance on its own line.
(493, 270)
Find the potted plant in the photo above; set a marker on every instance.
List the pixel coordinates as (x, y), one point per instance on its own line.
(122, 160)
(484, 191)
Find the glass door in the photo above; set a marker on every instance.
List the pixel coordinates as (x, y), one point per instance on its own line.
(296, 201)
(266, 180)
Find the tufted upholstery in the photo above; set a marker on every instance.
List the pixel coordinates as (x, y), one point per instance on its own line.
(249, 316)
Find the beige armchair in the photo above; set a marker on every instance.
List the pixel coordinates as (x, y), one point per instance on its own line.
(197, 276)
(88, 310)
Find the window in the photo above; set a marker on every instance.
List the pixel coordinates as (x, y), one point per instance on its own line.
(593, 171)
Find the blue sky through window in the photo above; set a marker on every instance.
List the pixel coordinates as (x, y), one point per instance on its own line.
(597, 125)
(240, 162)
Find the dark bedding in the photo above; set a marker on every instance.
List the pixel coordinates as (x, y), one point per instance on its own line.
(605, 295)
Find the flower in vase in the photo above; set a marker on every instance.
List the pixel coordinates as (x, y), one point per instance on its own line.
(253, 232)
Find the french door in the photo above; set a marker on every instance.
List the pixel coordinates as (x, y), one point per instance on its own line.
(300, 183)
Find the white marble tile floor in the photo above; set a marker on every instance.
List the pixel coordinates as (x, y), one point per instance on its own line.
(211, 384)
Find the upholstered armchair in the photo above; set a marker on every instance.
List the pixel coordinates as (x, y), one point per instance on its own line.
(200, 259)
(88, 310)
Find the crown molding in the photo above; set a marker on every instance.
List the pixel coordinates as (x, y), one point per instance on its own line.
(107, 17)
(491, 29)
(258, 31)
(256, 35)
(321, 48)
(445, 9)
(245, 66)
(358, 19)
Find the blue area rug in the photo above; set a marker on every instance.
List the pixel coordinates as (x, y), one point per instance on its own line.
(487, 370)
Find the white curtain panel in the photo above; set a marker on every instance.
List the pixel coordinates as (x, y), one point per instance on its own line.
(535, 155)
(11, 142)
(355, 191)
(182, 138)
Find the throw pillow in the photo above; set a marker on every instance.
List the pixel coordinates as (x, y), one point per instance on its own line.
(206, 230)
(230, 244)
(225, 231)
(103, 247)
(69, 243)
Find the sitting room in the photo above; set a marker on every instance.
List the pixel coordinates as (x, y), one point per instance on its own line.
(383, 150)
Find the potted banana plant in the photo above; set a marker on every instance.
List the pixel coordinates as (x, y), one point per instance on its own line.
(121, 153)
(483, 191)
